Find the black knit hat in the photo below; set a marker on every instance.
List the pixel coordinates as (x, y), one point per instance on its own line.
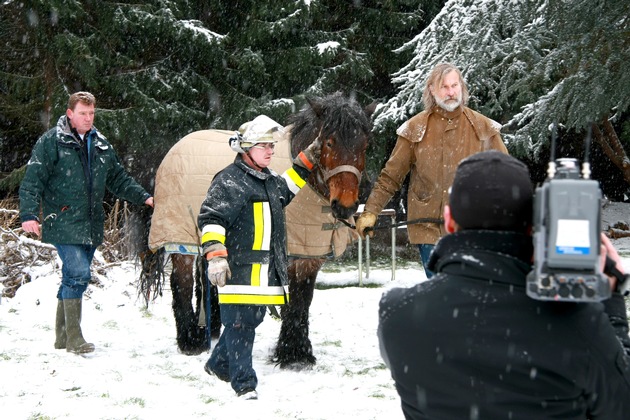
(492, 191)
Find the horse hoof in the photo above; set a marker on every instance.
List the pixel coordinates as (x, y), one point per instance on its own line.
(297, 366)
(192, 351)
(306, 362)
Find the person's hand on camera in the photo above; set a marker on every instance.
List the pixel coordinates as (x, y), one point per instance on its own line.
(607, 250)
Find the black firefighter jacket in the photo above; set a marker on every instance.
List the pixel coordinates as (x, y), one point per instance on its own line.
(244, 210)
(470, 344)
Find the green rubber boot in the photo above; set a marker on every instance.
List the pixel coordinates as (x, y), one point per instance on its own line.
(75, 342)
(60, 326)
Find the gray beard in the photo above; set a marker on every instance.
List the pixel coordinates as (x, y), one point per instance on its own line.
(450, 107)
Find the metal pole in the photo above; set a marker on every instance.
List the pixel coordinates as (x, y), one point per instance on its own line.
(360, 261)
(367, 256)
(393, 247)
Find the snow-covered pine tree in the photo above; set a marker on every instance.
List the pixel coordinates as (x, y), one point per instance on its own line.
(161, 69)
(146, 62)
(529, 64)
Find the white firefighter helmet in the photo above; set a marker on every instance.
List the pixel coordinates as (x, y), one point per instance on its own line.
(261, 129)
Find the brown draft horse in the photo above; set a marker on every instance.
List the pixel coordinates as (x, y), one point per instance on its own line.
(345, 129)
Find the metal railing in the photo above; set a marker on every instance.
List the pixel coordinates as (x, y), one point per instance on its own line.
(387, 213)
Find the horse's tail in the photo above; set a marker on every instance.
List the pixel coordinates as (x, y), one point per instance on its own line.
(152, 275)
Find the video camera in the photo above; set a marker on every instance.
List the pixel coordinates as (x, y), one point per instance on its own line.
(567, 227)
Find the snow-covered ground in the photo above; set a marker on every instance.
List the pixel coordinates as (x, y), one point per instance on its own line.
(137, 372)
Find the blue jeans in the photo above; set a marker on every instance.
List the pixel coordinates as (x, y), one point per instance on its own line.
(75, 270)
(425, 252)
(232, 355)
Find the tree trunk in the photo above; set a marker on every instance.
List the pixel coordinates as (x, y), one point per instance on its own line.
(609, 141)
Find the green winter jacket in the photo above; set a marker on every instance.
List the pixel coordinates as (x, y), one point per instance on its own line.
(69, 189)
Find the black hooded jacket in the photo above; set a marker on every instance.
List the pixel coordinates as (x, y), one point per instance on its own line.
(470, 344)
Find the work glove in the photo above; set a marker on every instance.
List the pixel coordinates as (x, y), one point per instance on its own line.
(365, 221)
(311, 154)
(218, 271)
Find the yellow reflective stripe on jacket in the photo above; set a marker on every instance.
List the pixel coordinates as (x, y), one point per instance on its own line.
(250, 295)
(262, 226)
(294, 180)
(252, 299)
(260, 275)
(262, 242)
(213, 233)
(255, 277)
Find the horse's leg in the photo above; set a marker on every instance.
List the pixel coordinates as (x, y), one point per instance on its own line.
(294, 349)
(191, 338)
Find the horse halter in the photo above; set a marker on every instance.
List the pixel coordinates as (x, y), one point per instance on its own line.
(329, 173)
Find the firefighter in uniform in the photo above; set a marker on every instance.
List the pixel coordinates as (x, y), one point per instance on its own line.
(243, 239)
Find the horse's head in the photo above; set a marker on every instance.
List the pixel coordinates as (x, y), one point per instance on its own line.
(344, 128)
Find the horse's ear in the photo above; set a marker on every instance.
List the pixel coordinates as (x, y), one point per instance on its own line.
(369, 110)
(316, 106)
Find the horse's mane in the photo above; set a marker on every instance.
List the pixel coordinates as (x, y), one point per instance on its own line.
(334, 113)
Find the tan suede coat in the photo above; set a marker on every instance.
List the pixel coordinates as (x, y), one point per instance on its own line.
(430, 145)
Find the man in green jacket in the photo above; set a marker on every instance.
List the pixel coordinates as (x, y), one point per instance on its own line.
(71, 165)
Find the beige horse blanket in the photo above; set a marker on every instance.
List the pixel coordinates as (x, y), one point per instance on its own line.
(183, 178)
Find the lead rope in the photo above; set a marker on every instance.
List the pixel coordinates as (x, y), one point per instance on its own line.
(398, 224)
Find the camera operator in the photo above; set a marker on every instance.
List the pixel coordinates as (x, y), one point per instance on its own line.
(470, 343)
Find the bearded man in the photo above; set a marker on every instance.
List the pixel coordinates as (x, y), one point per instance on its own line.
(430, 145)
